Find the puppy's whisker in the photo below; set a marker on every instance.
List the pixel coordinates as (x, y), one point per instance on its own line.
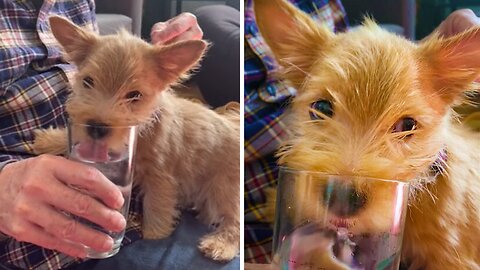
(290, 65)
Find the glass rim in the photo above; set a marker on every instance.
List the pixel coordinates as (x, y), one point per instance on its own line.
(296, 171)
(69, 124)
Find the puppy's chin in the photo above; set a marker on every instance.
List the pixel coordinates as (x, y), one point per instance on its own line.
(339, 222)
(356, 225)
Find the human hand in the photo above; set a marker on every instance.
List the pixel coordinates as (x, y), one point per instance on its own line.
(181, 27)
(457, 22)
(32, 190)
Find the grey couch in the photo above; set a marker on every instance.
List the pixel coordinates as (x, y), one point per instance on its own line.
(219, 75)
(396, 16)
(115, 14)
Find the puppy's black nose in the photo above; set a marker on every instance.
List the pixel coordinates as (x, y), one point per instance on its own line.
(97, 130)
(343, 200)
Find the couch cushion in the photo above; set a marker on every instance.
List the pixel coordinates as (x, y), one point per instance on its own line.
(393, 28)
(111, 23)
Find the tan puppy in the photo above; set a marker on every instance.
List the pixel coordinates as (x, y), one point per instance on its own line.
(374, 104)
(187, 154)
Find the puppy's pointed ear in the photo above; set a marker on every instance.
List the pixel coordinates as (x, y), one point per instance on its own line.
(295, 39)
(76, 42)
(176, 59)
(452, 64)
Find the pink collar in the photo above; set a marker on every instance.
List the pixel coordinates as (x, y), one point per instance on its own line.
(439, 165)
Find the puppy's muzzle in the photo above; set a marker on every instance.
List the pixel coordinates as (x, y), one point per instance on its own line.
(343, 200)
(97, 130)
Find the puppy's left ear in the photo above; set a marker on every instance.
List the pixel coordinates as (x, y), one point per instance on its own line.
(176, 59)
(452, 64)
(76, 42)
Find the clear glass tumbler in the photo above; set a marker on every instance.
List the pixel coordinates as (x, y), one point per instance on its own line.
(330, 222)
(111, 150)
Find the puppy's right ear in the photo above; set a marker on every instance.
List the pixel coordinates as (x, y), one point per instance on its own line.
(295, 39)
(76, 42)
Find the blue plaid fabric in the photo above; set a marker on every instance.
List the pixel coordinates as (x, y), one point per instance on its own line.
(265, 100)
(33, 89)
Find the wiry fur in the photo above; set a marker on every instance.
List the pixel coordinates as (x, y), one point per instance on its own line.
(374, 79)
(187, 155)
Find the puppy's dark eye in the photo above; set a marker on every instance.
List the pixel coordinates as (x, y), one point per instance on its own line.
(88, 82)
(323, 106)
(133, 96)
(405, 124)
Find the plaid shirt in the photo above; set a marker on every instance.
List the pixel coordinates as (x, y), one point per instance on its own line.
(265, 100)
(33, 88)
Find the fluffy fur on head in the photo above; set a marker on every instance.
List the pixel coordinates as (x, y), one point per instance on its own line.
(114, 66)
(187, 154)
(374, 81)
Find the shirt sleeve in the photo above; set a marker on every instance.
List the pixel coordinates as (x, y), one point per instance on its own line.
(2, 165)
(93, 13)
(3, 236)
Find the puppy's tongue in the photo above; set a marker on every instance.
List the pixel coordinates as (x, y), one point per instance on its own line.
(97, 152)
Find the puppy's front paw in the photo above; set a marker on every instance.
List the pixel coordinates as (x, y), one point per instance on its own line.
(157, 232)
(160, 214)
(50, 141)
(215, 246)
(159, 225)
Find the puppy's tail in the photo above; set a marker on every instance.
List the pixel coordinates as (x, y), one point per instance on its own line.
(230, 111)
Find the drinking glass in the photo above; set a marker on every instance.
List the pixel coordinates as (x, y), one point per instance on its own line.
(338, 222)
(111, 150)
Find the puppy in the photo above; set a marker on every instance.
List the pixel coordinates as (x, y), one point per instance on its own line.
(373, 104)
(187, 155)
